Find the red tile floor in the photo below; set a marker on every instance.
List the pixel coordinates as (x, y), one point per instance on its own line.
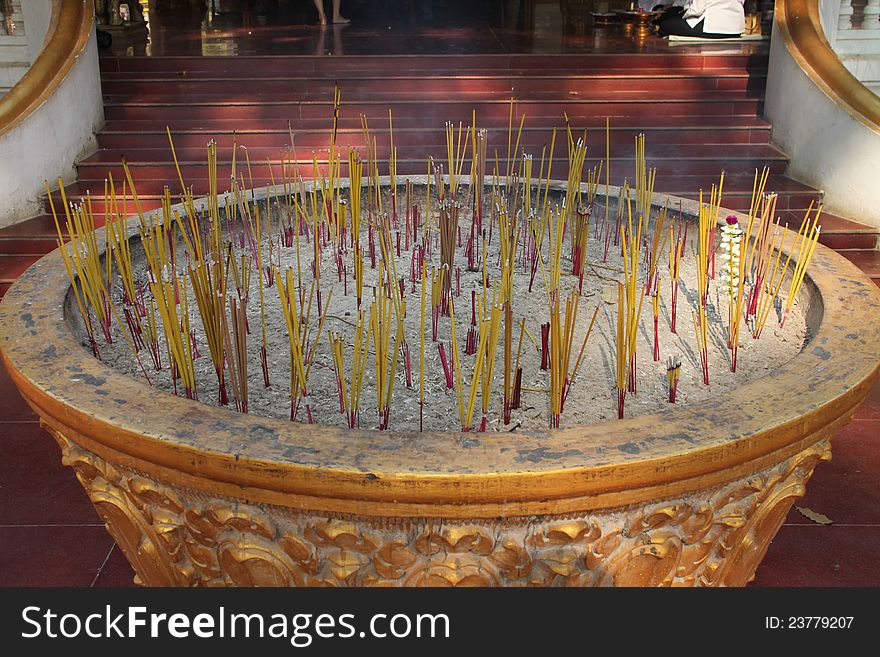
(51, 536)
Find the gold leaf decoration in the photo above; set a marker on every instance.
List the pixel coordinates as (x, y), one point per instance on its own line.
(174, 536)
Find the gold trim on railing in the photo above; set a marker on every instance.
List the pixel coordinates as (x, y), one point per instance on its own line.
(801, 29)
(67, 36)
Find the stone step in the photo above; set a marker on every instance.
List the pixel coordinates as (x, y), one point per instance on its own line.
(14, 53)
(13, 266)
(684, 90)
(13, 41)
(656, 154)
(868, 260)
(11, 73)
(393, 64)
(414, 124)
(857, 47)
(532, 139)
(33, 245)
(426, 86)
(423, 70)
(495, 111)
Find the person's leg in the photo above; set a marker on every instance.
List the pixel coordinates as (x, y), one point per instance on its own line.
(718, 35)
(675, 10)
(672, 24)
(337, 17)
(678, 26)
(319, 5)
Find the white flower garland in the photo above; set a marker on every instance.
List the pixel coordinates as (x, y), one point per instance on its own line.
(731, 235)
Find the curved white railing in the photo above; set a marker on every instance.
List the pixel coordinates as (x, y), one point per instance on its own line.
(823, 117)
(49, 118)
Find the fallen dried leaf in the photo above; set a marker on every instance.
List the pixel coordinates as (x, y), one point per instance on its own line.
(818, 518)
(609, 294)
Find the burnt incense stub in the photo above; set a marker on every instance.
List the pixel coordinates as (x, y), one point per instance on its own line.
(573, 327)
(196, 494)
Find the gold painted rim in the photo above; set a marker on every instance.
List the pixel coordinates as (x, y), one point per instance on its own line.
(69, 29)
(801, 30)
(372, 473)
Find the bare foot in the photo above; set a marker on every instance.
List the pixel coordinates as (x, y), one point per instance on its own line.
(340, 19)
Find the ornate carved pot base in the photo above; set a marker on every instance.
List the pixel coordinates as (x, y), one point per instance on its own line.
(173, 536)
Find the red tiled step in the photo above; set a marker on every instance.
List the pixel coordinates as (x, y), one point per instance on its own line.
(38, 246)
(440, 111)
(741, 199)
(274, 65)
(39, 226)
(868, 260)
(366, 73)
(620, 137)
(858, 237)
(399, 88)
(36, 236)
(848, 241)
(13, 266)
(593, 123)
(365, 68)
(575, 94)
(654, 153)
(837, 232)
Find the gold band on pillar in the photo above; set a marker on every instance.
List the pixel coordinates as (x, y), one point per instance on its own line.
(801, 30)
(69, 29)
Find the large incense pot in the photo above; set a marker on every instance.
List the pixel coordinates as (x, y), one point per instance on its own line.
(199, 495)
